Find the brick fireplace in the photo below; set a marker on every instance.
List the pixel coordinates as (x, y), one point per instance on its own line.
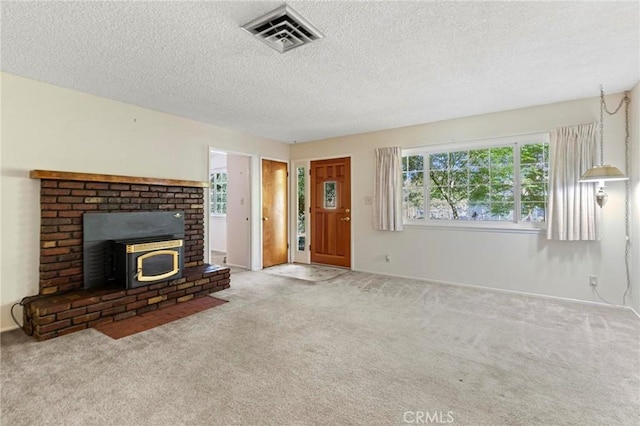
(62, 305)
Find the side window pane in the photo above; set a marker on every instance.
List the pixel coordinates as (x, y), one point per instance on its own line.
(534, 178)
(212, 192)
(479, 178)
(413, 186)
(501, 198)
(218, 193)
(301, 217)
(449, 179)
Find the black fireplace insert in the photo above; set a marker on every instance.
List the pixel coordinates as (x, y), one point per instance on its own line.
(130, 250)
(143, 261)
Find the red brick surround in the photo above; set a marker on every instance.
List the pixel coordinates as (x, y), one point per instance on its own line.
(63, 203)
(62, 305)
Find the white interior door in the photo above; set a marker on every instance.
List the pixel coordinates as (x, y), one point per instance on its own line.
(238, 210)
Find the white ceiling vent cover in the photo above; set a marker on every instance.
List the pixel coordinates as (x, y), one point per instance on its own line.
(283, 29)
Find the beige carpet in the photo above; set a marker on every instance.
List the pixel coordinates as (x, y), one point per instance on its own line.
(306, 272)
(359, 349)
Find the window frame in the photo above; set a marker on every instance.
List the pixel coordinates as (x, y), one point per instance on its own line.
(517, 225)
(213, 204)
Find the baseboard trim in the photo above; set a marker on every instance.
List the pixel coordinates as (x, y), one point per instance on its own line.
(11, 327)
(633, 310)
(502, 290)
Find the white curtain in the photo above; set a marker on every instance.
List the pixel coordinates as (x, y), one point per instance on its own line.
(572, 205)
(387, 194)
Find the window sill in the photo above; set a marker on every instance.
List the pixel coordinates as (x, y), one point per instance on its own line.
(218, 215)
(511, 228)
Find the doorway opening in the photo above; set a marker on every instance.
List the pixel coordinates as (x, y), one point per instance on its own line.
(230, 210)
(321, 212)
(330, 202)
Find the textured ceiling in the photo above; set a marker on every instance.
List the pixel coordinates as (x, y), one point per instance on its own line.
(381, 65)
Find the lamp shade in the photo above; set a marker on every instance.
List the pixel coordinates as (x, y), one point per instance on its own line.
(602, 174)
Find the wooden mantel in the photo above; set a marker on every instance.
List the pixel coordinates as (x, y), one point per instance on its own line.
(91, 177)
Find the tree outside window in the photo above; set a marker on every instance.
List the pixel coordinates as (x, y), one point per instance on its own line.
(478, 184)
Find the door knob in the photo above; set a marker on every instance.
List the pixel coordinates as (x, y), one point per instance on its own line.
(265, 218)
(346, 219)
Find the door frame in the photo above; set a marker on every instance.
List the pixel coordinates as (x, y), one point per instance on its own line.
(252, 201)
(259, 218)
(309, 233)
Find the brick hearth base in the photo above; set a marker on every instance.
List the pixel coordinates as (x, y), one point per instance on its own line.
(153, 319)
(51, 316)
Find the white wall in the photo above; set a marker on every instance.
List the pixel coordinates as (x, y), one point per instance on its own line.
(48, 127)
(634, 116)
(218, 233)
(519, 262)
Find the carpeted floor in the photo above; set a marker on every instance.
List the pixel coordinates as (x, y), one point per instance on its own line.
(358, 349)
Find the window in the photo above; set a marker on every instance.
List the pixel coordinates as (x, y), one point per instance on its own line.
(218, 193)
(301, 216)
(496, 181)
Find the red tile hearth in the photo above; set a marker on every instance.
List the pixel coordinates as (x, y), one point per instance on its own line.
(149, 320)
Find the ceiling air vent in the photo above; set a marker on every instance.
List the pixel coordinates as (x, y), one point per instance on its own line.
(283, 29)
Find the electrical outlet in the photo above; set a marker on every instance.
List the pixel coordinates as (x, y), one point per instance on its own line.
(593, 281)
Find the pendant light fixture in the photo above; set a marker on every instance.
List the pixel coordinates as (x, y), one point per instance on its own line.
(604, 172)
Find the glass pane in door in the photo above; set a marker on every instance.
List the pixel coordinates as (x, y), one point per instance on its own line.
(330, 195)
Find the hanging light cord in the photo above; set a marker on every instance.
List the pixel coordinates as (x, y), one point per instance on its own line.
(626, 100)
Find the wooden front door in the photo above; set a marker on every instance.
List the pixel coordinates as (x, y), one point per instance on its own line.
(275, 237)
(331, 212)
